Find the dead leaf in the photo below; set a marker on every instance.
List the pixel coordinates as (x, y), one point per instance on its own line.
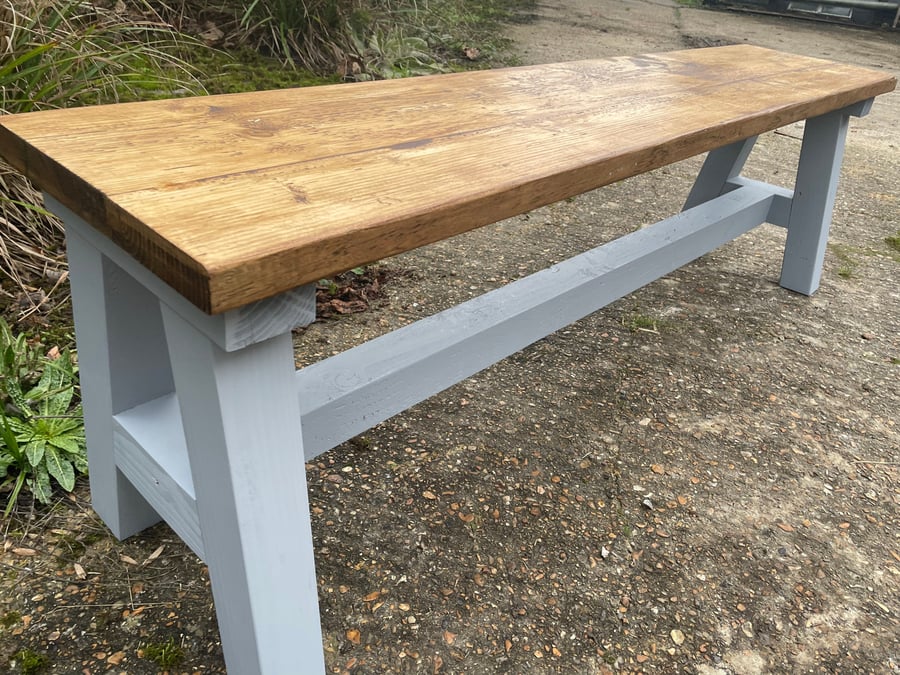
(211, 34)
(352, 307)
(656, 468)
(472, 53)
(467, 517)
(116, 659)
(428, 494)
(785, 527)
(449, 637)
(374, 595)
(128, 559)
(24, 551)
(79, 571)
(153, 556)
(353, 636)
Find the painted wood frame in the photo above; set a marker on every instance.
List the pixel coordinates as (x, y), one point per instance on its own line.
(210, 428)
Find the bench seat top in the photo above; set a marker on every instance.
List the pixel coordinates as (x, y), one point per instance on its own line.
(234, 198)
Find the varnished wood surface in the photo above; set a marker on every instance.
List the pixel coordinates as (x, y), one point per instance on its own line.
(232, 199)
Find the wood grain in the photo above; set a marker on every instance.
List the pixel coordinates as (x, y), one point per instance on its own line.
(231, 199)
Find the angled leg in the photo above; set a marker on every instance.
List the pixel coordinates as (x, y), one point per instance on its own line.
(720, 166)
(122, 362)
(814, 192)
(242, 427)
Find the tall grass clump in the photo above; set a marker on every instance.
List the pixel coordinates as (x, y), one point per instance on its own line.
(61, 53)
(376, 39)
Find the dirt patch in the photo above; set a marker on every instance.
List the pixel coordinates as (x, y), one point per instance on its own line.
(703, 477)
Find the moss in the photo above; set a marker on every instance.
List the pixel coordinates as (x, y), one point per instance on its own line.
(31, 663)
(10, 619)
(242, 70)
(166, 655)
(893, 242)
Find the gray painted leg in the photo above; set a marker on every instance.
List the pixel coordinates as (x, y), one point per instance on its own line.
(817, 178)
(242, 427)
(122, 362)
(720, 166)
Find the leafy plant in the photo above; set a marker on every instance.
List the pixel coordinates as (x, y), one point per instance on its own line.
(390, 53)
(41, 426)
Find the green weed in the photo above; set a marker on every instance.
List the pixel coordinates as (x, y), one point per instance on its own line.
(641, 322)
(41, 425)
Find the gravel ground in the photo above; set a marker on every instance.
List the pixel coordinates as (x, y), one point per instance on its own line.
(701, 478)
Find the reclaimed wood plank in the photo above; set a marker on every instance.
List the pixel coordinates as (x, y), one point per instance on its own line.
(232, 199)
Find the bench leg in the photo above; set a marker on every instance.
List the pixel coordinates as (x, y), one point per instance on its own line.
(814, 192)
(720, 166)
(122, 362)
(242, 427)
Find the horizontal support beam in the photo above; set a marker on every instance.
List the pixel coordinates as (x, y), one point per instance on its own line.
(150, 450)
(346, 394)
(355, 390)
(780, 211)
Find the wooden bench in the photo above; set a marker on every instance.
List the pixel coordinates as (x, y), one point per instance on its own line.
(197, 227)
